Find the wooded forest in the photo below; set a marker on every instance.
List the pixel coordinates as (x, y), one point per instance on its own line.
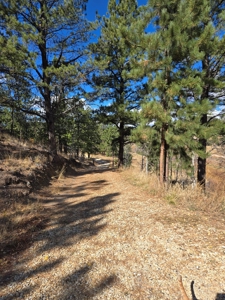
(153, 77)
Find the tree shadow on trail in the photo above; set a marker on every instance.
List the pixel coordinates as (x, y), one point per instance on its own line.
(220, 296)
(77, 284)
(68, 223)
(72, 222)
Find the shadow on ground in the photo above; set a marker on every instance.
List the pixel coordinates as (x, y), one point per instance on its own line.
(67, 224)
(77, 286)
(220, 296)
(74, 286)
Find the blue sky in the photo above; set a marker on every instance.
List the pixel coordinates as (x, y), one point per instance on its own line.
(101, 7)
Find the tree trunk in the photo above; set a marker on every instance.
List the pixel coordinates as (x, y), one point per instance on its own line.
(65, 147)
(12, 122)
(121, 145)
(51, 132)
(142, 162)
(60, 144)
(162, 159)
(45, 91)
(201, 171)
(167, 164)
(201, 176)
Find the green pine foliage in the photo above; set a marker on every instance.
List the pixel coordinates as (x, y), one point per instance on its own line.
(113, 81)
(51, 36)
(185, 71)
(108, 139)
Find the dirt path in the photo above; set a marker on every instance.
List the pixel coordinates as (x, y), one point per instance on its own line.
(106, 239)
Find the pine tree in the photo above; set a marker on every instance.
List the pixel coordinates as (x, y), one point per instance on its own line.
(108, 138)
(115, 84)
(85, 136)
(203, 87)
(209, 32)
(52, 34)
(167, 53)
(185, 67)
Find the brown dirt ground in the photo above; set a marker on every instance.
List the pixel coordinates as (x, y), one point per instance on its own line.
(97, 236)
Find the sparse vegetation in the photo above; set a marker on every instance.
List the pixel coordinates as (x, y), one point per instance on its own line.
(22, 168)
(191, 196)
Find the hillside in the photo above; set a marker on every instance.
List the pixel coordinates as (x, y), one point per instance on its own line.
(84, 231)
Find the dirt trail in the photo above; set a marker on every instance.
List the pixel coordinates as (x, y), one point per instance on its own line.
(106, 239)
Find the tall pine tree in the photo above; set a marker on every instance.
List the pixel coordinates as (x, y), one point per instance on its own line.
(166, 65)
(185, 67)
(115, 85)
(209, 32)
(52, 34)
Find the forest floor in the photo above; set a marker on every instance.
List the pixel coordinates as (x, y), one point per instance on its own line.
(90, 233)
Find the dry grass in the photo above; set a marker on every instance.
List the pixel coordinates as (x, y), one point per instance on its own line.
(20, 212)
(12, 163)
(191, 197)
(23, 143)
(15, 215)
(18, 223)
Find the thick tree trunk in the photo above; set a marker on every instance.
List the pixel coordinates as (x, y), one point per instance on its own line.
(46, 92)
(201, 171)
(201, 176)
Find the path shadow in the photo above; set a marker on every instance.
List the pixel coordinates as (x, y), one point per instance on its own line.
(96, 170)
(66, 192)
(220, 296)
(72, 222)
(19, 234)
(73, 286)
(68, 223)
(19, 294)
(77, 284)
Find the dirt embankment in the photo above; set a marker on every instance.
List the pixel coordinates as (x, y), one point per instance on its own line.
(26, 171)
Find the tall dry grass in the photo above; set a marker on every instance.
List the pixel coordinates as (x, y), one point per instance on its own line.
(189, 196)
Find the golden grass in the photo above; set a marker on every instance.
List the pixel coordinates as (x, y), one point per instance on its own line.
(192, 197)
(18, 220)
